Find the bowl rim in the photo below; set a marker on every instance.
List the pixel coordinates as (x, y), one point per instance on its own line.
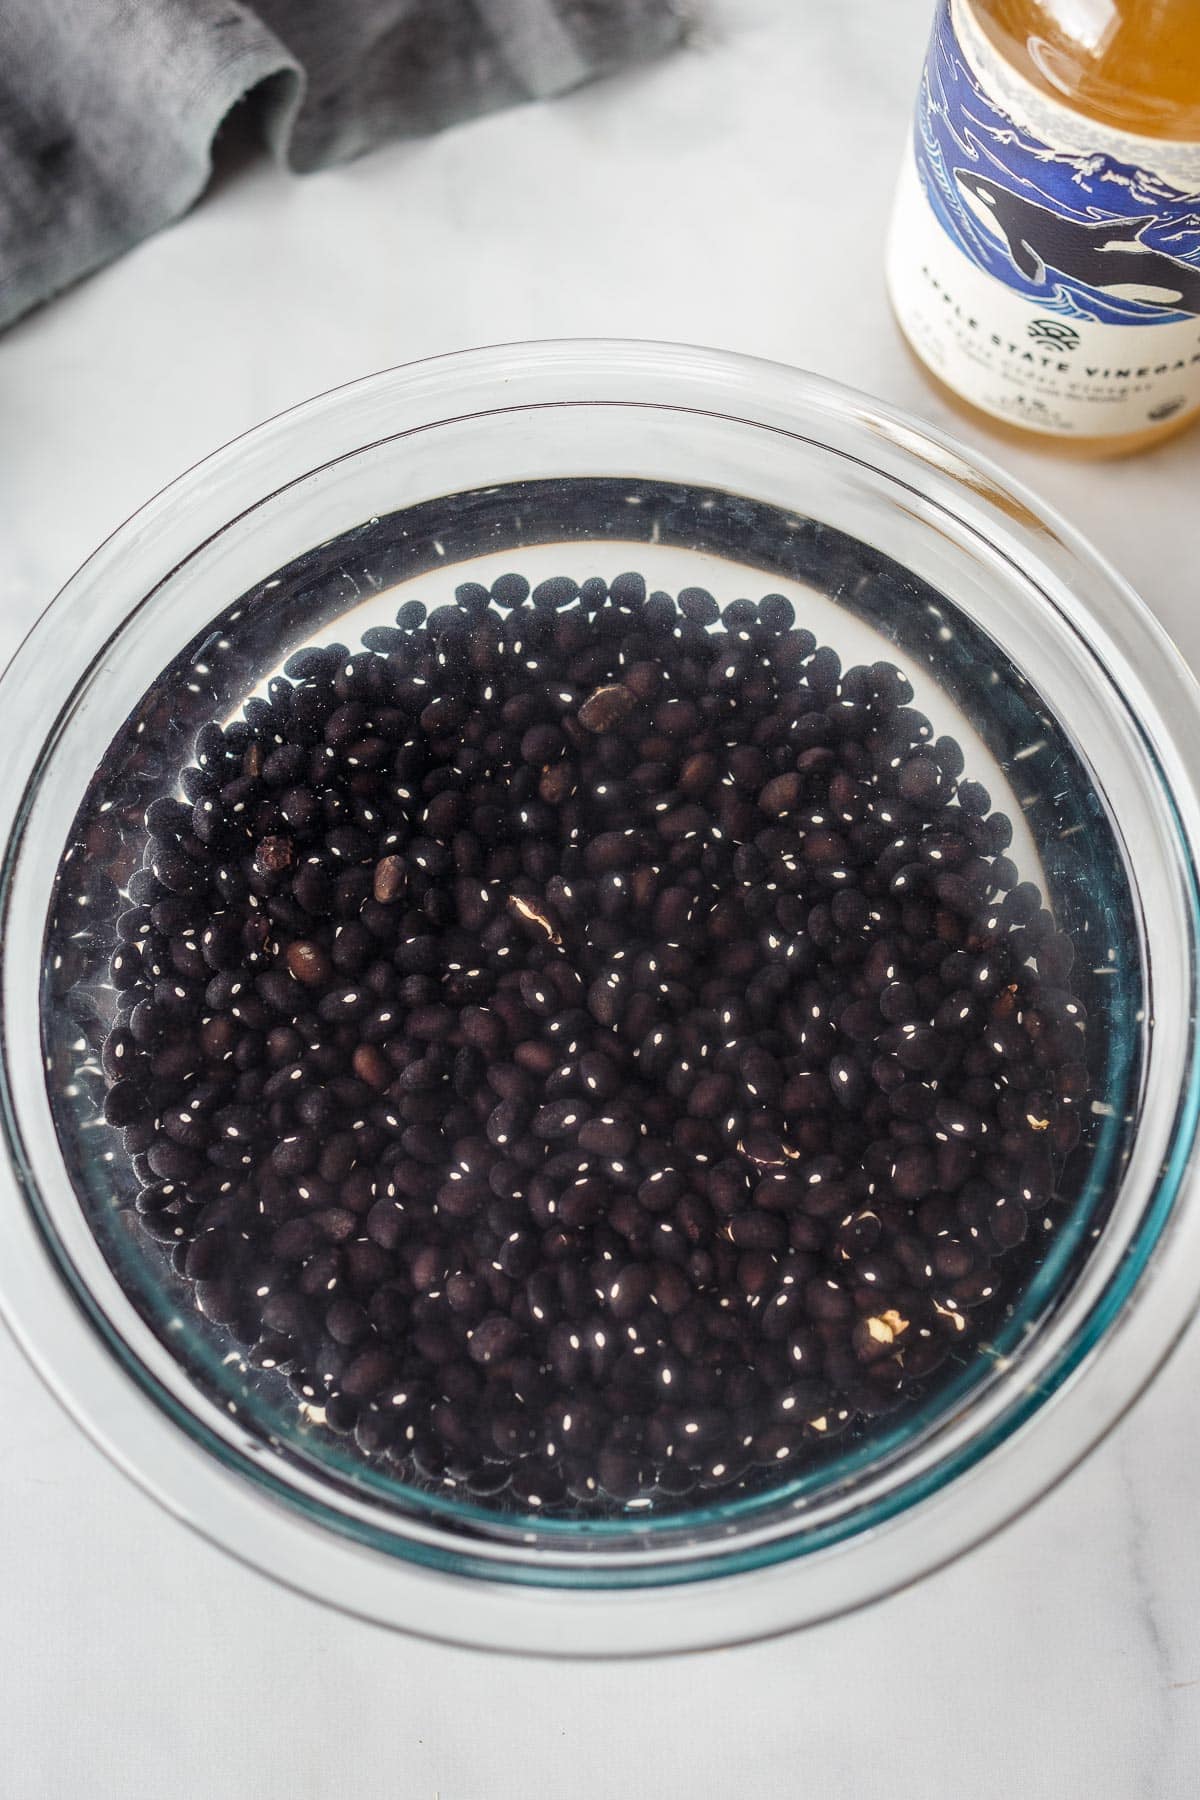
(139, 1437)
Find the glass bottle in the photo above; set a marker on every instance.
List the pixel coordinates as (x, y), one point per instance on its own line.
(1044, 255)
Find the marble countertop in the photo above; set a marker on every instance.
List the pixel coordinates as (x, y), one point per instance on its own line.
(693, 200)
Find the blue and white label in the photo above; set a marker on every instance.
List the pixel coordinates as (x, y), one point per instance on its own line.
(1046, 267)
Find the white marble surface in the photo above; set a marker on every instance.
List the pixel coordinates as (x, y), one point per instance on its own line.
(693, 200)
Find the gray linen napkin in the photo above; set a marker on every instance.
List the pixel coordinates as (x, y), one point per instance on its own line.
(108, 108)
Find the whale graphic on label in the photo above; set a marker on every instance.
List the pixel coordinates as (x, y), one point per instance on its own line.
(1107, 254)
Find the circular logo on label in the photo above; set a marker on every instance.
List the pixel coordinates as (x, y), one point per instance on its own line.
(1054, 331)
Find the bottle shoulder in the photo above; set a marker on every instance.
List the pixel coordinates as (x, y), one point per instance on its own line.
(1133, 65)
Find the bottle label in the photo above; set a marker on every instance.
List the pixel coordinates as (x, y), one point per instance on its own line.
(1046, 266)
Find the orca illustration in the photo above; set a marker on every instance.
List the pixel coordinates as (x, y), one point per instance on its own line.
(1108, 255)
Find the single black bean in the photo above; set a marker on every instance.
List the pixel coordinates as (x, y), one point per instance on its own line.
(605, 708)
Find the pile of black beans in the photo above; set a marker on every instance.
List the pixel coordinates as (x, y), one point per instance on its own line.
(595, 1046)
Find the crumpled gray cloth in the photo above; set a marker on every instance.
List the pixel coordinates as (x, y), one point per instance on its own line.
(108, 108)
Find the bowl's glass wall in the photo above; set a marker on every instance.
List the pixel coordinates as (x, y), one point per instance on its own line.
(874, 570)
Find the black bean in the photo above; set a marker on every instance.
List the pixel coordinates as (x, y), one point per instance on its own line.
(369, 1373)
(344, 1005)
(493, 1339)
(118, 1058)
(603, 1021)
(708, 1097)
(776, 612)
(781, 795)
(914, 1173)
(848, 1079)
(125, 968)
(557, 591)
(920, 779)
(126, 1099)
(510, 590)
(607, 1136)
(605, 708)
(627, 590)
(560, 1119)
(757, 1231)
(698, 604)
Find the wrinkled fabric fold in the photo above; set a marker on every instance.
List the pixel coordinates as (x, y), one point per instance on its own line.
(109, 108)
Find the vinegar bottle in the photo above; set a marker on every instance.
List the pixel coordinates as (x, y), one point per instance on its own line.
(1044, 253)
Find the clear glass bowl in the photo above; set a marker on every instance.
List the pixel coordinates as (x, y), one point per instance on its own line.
(694, 467)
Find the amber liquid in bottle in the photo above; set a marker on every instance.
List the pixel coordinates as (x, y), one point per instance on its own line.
(1130, 66)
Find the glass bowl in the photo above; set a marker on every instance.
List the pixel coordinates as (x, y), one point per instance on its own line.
(694, 467)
